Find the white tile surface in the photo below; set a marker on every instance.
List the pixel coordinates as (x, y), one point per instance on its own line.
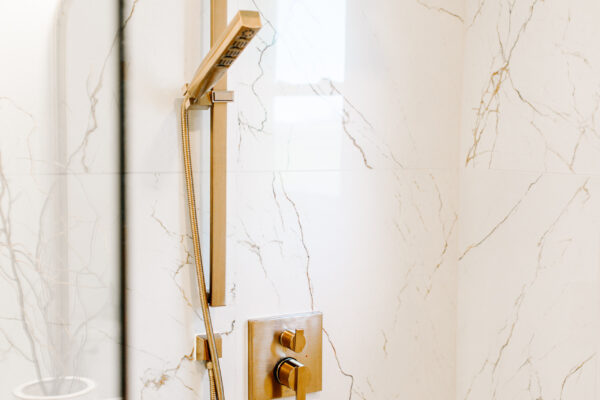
(528, 231)
(422, 172)
(58, 195)
(342, 193)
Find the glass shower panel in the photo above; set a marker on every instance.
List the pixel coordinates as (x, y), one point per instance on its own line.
(60, 330)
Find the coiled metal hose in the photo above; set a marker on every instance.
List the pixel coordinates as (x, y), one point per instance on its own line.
(213, 367)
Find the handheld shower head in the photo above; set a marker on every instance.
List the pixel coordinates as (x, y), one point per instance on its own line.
(233, 41)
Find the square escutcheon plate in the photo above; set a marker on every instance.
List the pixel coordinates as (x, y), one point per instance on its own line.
(264, 351)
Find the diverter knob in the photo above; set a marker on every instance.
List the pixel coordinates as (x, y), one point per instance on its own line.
(294, 341)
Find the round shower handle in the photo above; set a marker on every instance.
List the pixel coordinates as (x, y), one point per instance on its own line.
(294, 341)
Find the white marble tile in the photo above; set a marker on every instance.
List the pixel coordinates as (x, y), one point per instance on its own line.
(531, 101)
(91, 87)
(59, 303)
(347, 85)
(58, 194)
(342, 193)
(528, 286)
(422, 172)
(292, 248)
(164, 47)
(528, 237)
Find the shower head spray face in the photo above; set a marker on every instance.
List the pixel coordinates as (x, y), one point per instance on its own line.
(240, 31)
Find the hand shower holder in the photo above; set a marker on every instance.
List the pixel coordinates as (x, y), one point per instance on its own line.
(202, 350)
(208, 100)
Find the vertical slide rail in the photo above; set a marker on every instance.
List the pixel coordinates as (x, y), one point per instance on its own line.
(218, 169)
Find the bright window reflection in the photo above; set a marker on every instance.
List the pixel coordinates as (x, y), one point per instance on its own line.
(312, 41)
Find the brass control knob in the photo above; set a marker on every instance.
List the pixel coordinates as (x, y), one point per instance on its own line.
(293, 374)
(294, 341)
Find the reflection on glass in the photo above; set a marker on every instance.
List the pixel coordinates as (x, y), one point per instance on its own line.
(59, 212)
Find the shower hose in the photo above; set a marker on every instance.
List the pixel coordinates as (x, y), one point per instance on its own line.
(212, 366)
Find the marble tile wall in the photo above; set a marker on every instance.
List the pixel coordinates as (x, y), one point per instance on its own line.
(342, 190)
(58, 193)
(424, 173)
(529, 243)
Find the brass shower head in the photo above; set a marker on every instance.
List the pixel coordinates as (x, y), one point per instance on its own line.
(233, 41)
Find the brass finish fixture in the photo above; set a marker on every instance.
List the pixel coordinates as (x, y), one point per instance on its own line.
(294, 341)
(208, 89)
(221, 96)
(226, 47)
(202, 351)
(218, 168)
(224, 51)
(271, 372)
(293, 374)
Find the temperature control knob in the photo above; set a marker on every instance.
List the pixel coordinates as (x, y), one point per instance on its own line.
(293, 374)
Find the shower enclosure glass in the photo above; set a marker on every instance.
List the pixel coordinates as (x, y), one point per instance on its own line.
(60, 329)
